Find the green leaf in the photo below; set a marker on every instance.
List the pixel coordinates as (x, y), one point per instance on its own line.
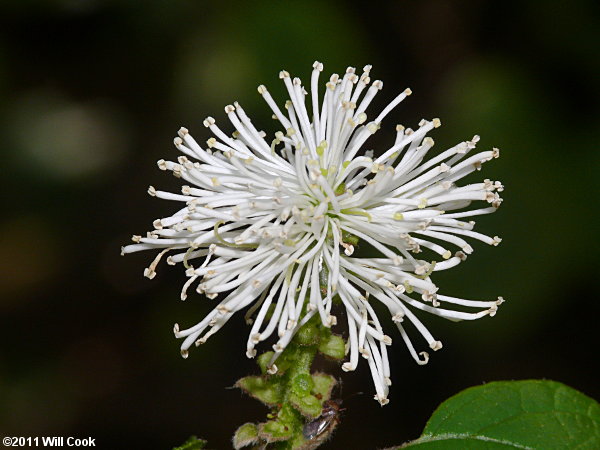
(323, 385)
(267, 390)
(333, 346)
(245, 435)
(193, 443)
(273, 431)
(307, 335)
(302, 384)
(533, 414)
(307, 405)
(263, 361)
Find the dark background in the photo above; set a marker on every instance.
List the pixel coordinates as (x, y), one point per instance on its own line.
(92, 93)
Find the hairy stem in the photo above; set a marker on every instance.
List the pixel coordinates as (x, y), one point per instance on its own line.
(295, 395)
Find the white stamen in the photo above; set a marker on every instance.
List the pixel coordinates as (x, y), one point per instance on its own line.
(277, 220)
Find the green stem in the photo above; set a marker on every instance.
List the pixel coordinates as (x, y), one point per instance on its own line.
(295, 395)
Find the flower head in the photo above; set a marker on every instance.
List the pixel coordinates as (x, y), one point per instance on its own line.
(272, 224)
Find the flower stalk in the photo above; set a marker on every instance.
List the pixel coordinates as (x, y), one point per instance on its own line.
(296, 395)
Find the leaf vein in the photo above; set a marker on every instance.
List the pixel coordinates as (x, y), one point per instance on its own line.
(451, 436)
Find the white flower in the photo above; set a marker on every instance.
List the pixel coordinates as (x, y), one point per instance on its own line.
(276, 222)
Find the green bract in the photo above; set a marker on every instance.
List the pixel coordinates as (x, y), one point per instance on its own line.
(245, 435)
(193, 443)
